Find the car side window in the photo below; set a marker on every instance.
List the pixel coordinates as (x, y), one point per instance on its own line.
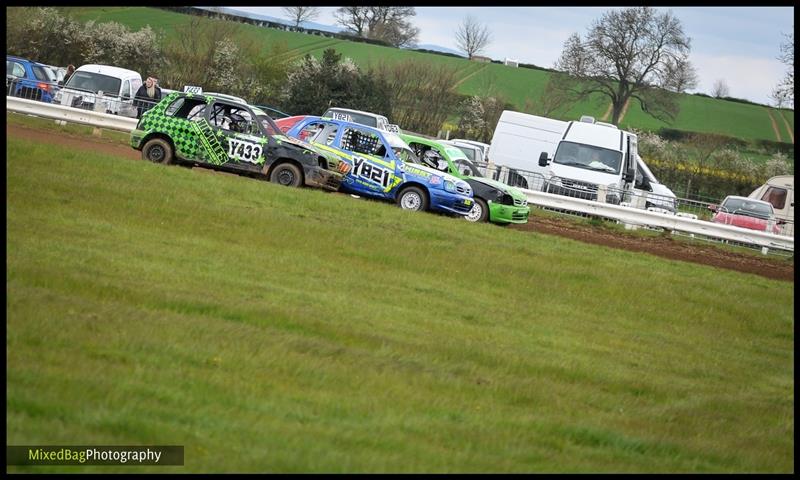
(40, 74)
(360, 141)
(17, 70)
(776, 196)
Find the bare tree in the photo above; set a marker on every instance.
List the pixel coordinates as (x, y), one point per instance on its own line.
(390, 24)
(785, 89)
(680, 76)
(720, 89)
(630, 53)
(472, 37)
(300, 14)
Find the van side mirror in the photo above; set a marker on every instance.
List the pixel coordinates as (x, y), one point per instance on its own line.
(543, 159)
(713, 208)
(61, 83)
(630, 175)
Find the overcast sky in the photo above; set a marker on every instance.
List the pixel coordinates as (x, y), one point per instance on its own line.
(738, 44)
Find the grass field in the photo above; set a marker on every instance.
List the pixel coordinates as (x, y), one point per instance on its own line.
(515, 84)
(280, 330)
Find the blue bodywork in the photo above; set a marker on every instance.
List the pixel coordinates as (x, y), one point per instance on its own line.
(35, 85)
(383, 164)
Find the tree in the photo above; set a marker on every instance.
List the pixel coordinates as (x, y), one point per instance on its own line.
(472, 37)
(314, 85)
(630, 53)
(301, 14)
(681, 76)
(720, 89)
(784, 91)
(390, 24)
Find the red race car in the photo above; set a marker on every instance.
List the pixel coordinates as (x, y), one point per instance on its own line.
(746, 213)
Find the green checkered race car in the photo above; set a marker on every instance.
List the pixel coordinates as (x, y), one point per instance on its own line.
(231, 136)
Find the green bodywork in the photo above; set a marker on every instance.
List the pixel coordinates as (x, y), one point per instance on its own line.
(196, 140)
(498, 212)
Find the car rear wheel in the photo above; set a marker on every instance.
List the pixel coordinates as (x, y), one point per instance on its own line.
(479, 212)
(287, 174)
(157, 150)
(412, 198)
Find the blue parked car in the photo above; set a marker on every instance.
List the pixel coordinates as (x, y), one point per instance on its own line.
(384, 166)
(30, 80)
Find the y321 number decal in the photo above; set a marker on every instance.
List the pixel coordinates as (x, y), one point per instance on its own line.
(245, 151)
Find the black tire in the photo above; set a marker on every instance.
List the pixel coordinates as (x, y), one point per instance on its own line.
(158, 150)
(474, 216)
(287, 174)
(412, 198)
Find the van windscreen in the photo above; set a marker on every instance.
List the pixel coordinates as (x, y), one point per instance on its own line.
(94, 82)
(588, 157)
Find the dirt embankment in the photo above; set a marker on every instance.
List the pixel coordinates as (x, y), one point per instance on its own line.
(662, 246)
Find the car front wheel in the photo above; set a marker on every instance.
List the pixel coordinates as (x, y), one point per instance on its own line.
(479, 212)
(287, 174)
(412, 198)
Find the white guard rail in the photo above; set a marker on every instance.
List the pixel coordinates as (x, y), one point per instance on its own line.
(627, 215)
(69, 114)
(635, 216)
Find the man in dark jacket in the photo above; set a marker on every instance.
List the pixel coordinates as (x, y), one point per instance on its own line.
(148, 95)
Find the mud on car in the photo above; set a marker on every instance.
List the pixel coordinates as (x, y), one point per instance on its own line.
(231, 136)
(384, 167)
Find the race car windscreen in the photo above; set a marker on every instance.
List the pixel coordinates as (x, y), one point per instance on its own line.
(94, 82)
(401, 148)
(464, 166)
(268, 124)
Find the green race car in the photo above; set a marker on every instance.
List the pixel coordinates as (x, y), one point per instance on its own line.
(228, 135)
(494, 201)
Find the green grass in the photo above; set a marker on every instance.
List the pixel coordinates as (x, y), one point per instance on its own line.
(282, 330)
(697, 114)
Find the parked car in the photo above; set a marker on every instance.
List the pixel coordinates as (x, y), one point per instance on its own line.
(473, 153)
(484, 147)
(384, 167)
(494, 201)
(118, 87)
(746, 213)
(30, 80)
(231, 136)
(364, 118)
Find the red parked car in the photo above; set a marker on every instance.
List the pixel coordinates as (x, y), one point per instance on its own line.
(286, 124)
(746, 213)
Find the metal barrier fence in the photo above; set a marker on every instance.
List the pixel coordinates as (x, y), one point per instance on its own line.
(638, 199)
(105, 102)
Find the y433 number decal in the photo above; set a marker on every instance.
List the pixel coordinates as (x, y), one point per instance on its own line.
(245, 151)
(371, 172)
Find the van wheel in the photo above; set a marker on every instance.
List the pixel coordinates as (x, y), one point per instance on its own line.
(413, 198)
(479, 212)
(287, 174)
(158, 150)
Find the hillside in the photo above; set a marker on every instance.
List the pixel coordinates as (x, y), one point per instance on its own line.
(284, 330)
(697, 114)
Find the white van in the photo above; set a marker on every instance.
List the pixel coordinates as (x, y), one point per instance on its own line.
(482, 147)
(118, 87)
(779, 191)
(577, 158)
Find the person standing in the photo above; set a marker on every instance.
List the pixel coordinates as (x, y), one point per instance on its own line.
(148, 95)
(70, 71)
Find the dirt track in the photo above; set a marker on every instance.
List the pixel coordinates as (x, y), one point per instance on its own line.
(663, 246)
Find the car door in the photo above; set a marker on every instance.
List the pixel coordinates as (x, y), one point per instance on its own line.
(238, 133)
(374, 169)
